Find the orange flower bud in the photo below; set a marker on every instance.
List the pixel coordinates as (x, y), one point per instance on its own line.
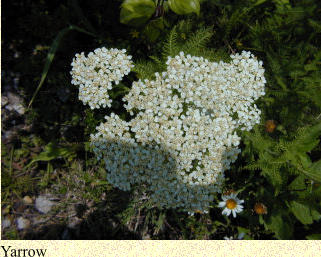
(260, 208)
(270, 126)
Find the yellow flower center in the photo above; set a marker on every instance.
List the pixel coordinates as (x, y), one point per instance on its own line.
(231, 204)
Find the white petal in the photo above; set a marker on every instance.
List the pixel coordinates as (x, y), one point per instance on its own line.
(224, 212)
(232, 195)
(234, 213)
(221, 204)
(241, 235)
(225, 197)
(239, 208)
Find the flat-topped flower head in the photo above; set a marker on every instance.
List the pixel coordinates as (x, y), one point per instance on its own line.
(96, 73)
(231, 204)
(183, 134)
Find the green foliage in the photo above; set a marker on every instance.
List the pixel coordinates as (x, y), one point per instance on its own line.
(149, 15)
(12, 235)
(83, 184)
(278, 160)
(136, 12)
(52, 151)
(184, 6)
(154, 29)
(302, 212)
(287, 37)
(14, 180)
(280, 225)
(314, 237)
(195, 44)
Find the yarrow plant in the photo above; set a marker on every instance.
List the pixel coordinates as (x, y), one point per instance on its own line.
(183, 134)
(96, 73)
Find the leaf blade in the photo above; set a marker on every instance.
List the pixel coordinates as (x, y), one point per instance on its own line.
(51, 55)
(136, 12)
(184, 6)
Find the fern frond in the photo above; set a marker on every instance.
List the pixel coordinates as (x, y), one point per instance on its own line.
(252, 167)
(185, 26)
(278, 93)
(273, 174)
(145, 69)
(158, 62)
(306, 138)
(198, 41)
(315, 25)
(170, 47)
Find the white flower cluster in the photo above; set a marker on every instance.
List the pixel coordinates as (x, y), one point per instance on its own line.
(95, 74)
(182, 137)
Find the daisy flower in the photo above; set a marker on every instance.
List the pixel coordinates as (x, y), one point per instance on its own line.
(239, 237)
(231, 204)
